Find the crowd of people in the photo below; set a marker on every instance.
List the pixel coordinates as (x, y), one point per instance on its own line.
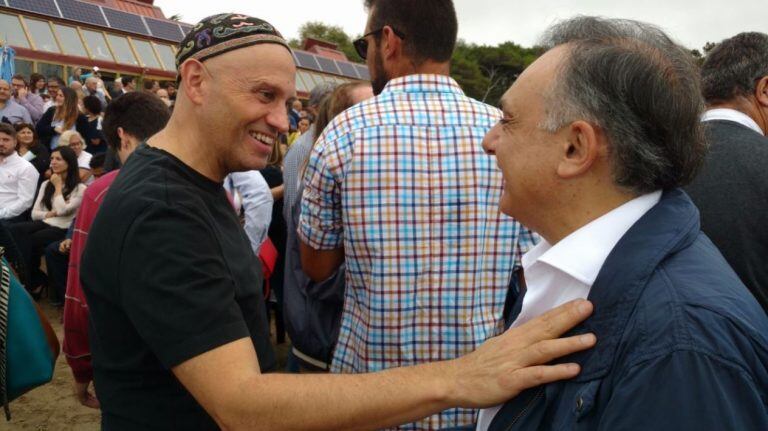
(589, 256)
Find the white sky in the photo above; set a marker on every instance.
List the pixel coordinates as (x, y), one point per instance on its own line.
(691, 22)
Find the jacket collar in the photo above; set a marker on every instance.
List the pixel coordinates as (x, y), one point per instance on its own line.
(670, 226)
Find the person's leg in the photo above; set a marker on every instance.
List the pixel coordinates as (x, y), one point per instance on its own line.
(56, 263)
(38, 241)
(21, 236)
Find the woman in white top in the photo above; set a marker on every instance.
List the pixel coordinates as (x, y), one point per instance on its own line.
(57, 203)
(74, 140)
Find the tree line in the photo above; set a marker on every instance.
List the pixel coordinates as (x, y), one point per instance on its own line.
(484, 72)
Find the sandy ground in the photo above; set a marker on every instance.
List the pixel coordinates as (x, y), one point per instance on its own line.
(52, 406)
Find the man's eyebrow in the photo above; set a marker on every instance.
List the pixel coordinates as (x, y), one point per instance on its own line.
(506, 112)
(503, 106)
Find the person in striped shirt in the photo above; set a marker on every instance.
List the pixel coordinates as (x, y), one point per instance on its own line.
(398, 187)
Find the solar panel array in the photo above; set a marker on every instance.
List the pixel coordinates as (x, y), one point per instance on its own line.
(164, 29)
(80, 11)
(45, 7)
(126, 21)
(90, 13)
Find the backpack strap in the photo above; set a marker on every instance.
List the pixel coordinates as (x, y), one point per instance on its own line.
(5, 289)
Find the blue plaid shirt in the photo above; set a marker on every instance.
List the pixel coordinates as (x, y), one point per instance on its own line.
(401, 181)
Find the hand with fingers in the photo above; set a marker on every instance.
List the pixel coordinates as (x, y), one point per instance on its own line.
(506, 365)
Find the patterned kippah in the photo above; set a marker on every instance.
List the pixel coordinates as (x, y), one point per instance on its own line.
(226, 32)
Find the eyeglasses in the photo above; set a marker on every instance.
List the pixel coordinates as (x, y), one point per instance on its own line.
(361, 45)
(76, 144)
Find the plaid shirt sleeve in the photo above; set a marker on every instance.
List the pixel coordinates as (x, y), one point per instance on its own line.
(321, 224)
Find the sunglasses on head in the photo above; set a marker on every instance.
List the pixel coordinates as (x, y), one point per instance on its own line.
(361, 44)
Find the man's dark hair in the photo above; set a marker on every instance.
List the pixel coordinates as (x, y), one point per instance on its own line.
(149, 84)
(126, 80)
(641, 89)
(8, 129)
(429, 26)
(58, 80)
(19, 77)
(92, 104)
(140, 114)
(734, 66)
(97, 161)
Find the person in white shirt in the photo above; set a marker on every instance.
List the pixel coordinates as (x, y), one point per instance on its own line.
(252, 195)
(18, 178)
(55, 207)
(74, 140)
(597, 138)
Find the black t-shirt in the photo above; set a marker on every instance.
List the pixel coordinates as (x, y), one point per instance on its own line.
(169, 274)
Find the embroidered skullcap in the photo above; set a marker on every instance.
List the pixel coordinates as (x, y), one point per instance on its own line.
(226, 32)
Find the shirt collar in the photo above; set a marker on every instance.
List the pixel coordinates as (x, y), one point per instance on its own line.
(423, 83)
(728, 114)
(582, 254)
(12, 158)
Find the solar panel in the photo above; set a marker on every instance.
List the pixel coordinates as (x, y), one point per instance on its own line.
(125, 21)
(347, 69)
(363, 72)
(45, 7)
(83, 12)
(164, 29)
(327, 65)
(186, 28)
(307, 61)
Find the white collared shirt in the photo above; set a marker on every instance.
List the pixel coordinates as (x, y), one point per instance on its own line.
(732, 115)
(251, 192)
(18, 181)
(556, 274)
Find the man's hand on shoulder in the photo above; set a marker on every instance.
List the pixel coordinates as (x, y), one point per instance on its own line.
(506, 365)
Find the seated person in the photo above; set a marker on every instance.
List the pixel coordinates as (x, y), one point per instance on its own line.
(18, 179)
(55, 207)
(75, 141)
(31, 150)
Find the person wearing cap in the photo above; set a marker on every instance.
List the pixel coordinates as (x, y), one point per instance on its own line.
(179, 331)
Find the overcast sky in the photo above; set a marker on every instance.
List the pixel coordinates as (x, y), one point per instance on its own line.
(691, 22)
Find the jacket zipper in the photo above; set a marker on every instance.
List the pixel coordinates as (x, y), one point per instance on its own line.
(525, 409)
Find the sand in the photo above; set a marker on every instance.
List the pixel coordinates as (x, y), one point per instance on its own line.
(52, 406)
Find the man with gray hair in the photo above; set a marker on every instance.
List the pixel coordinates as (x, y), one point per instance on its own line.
(91, 88)
(731, 190)
(178, 331)
(594, 163)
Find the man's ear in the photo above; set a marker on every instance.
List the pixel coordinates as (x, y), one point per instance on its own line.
(582, 146)
(761, 91)
(193, 75)
(390, 43)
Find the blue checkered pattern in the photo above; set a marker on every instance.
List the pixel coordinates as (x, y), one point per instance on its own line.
(402, 183)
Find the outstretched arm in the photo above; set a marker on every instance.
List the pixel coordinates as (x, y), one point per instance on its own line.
(240, 397)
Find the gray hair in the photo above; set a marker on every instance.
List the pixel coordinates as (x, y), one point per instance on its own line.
(642, 89)
(734, 66)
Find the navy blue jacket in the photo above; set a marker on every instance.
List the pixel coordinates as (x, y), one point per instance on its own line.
(682, 344)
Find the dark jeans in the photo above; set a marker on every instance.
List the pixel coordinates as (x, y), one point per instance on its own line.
(32, 238)
(57, 265)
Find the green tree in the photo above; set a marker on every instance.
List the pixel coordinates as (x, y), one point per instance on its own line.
(485, 72)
